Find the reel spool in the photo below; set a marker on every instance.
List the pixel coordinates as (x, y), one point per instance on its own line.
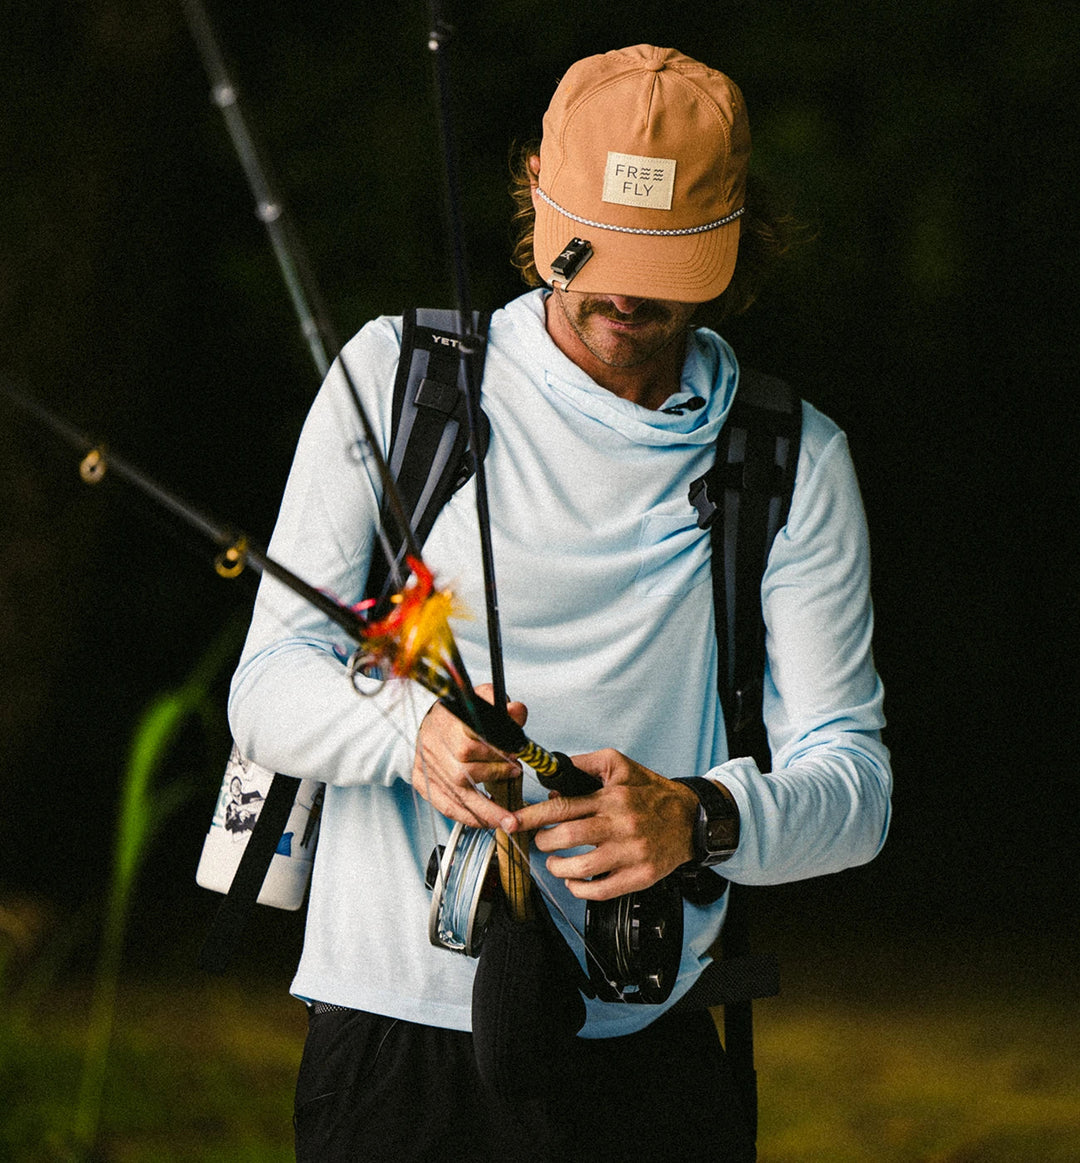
(633, 943)
(463, 882)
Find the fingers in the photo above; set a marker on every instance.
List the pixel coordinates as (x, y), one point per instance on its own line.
(604, 873)
(556, 810)
(517, 711)
(451, 763)
(608, 766)
(457, 794)
(611, 885)
(635, 829)
(605, 848)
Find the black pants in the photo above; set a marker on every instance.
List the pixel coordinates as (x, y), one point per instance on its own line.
(374, 1088)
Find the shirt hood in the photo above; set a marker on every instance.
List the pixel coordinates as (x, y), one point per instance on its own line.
(693, 415)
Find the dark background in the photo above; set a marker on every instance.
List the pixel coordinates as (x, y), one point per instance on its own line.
(931, 146)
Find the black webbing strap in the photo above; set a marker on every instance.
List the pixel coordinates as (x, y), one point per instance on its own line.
(730, 980)
(233, 913)
(430, 433)
(744, 501)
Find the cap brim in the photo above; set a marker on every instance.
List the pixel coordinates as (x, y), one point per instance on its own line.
(685, 268)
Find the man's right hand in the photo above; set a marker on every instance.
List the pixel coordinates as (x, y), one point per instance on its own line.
(451, 762)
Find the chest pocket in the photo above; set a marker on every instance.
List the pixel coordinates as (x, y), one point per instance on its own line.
(673, 555)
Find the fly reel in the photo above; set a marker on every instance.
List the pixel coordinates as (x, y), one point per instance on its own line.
(463, 882)
(633, 943)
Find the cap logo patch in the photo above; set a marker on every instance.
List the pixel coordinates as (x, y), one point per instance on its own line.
(648, 182)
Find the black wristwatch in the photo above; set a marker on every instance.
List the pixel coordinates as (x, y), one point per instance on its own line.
(716, 829)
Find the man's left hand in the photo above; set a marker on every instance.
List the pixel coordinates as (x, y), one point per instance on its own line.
(639, 827)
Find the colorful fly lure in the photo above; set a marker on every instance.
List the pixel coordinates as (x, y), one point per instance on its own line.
(414, 640)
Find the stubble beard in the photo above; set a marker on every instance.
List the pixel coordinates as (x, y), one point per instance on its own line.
(627, 350)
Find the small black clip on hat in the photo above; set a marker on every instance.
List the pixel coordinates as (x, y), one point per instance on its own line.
(573, 256)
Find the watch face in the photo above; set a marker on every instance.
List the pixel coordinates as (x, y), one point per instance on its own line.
(720, 835)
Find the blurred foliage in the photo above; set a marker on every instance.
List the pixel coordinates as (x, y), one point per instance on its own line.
(147, 804)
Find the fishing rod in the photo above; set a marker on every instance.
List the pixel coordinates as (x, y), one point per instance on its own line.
(439, 40)
(270, 207)
(407, 637)
(513, 865)
(391, 636)
(635, 940)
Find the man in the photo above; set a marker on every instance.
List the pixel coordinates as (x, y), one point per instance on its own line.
(603, 406)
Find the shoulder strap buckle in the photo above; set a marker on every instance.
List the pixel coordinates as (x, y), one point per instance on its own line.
(701, 497)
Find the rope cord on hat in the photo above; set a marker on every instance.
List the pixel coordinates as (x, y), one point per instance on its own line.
(641, 230)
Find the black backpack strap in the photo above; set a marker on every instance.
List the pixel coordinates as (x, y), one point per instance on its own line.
(231, 918)
(429, 439)
(744, 501)
(430, 434)
(757, 455)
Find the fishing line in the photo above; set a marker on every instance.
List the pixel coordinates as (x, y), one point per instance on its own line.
(470, 345)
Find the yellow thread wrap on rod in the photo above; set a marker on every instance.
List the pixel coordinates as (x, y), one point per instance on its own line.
(539, 760)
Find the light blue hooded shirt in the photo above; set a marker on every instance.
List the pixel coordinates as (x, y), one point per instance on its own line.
(607, 622)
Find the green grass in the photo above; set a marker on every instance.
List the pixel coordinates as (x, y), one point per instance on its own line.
(199, 1072)
(204, 1071)
(948, 1080)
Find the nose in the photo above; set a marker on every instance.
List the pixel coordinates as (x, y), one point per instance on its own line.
(624, 304)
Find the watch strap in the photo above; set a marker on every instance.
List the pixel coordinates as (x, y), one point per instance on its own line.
(716, 829)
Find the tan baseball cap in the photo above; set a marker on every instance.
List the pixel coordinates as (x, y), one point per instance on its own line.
(643, 158)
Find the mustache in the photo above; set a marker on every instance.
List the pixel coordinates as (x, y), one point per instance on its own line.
(647, 311)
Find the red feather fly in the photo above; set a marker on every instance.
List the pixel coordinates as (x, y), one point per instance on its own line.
(413, 639)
